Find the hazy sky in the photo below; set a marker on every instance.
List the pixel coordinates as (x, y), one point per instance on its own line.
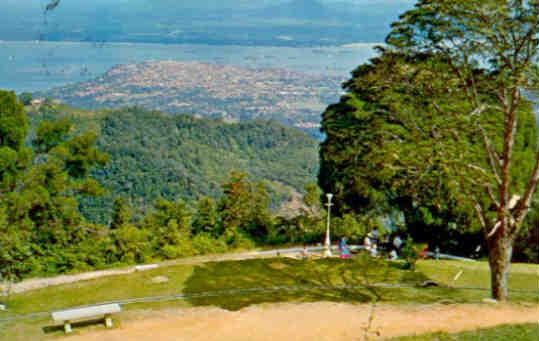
(113, 19)
(197, 3)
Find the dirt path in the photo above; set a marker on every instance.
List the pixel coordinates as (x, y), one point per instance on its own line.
(307, 322)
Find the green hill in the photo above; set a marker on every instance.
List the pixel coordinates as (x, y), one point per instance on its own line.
(158, 155)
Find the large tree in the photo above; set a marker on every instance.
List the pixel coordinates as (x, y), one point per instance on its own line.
(14, 155)
(455, 76)
(41, 228)
(500, 37)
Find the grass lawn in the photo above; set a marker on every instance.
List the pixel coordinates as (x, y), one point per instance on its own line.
(525, 332)
(326, 280)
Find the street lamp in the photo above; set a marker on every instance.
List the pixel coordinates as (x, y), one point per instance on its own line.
(327, 244)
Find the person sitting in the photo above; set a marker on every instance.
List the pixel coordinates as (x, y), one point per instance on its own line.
(367, 243)
(374, 250)
(345, 250)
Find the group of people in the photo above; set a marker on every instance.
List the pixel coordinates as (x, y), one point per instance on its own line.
(373, 243)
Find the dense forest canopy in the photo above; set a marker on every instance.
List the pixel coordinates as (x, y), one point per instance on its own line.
(157, 155)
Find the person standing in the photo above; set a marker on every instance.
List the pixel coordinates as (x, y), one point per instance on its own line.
(375, 236)
(397, 243)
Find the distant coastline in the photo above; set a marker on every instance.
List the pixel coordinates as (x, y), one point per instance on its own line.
(357, 45)
(361, 45)
(31, 65)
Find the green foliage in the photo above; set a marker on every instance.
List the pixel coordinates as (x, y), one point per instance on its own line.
(13, 122)
(155, 155)
(410, 254)
(50, 134)
(205, 243)
(164, 221)
(490, 49)
(41, 226)
(26, 98)
(130, 244)
(15, 249)
(169, 226)
(206, 219)
(83, 156)
(121, 213)
(14, 127)
(307, 225)
(527, 243)
(524, 332)
(244, 207)
(354, 227)
(312, 196)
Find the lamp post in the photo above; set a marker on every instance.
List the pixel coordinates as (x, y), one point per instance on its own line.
(327, 244)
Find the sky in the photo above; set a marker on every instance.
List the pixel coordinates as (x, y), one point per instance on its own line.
(121, 20)
(202, 4)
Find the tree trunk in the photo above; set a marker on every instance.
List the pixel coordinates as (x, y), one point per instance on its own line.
(500, 253)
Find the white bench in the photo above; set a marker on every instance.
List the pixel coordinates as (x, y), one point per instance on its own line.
(68, 316)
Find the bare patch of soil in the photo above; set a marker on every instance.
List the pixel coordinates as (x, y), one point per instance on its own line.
(309, 321)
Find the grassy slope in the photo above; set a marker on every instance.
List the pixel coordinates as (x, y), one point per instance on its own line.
(526, 332)
(211, 277)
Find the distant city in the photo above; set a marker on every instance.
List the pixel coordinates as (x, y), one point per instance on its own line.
(220, 91)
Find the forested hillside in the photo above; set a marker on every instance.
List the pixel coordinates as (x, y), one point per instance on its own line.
(157, 155)
(84, 190)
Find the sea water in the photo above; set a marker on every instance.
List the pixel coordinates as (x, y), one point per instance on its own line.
(38, 65)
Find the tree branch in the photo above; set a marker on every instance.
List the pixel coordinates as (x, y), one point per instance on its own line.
(493, 156)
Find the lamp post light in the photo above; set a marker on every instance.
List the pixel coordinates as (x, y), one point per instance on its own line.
(327, 244)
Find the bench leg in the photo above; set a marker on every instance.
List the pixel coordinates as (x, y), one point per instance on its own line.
(108, 321)
(67, 327)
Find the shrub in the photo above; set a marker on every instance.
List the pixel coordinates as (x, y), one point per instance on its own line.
(237, 239)
(132, 244)
(410, 254)
(204, 243)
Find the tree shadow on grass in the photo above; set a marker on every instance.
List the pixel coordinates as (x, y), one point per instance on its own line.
(238, 284)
